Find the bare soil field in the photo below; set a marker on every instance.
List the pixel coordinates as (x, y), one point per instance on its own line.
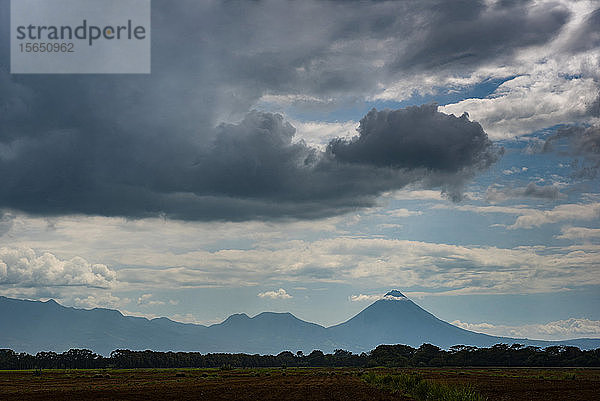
(521, 384)
(288, 384)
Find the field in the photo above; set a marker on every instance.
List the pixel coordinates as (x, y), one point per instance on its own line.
(291, 384)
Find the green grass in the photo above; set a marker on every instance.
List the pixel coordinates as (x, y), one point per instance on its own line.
(421, 389)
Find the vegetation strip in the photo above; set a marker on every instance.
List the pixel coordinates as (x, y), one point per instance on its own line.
(420, 389)
(427, 355)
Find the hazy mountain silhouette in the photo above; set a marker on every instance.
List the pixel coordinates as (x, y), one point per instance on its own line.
(267, 332)
(33, 326)
(396, 317)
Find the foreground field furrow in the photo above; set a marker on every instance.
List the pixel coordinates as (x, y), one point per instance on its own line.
(291, 384)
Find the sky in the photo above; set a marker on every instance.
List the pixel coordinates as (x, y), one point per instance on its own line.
(311, 156)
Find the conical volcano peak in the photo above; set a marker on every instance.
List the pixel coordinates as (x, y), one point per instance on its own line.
(394, 295)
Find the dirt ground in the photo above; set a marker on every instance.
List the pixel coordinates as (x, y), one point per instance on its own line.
(288, 384)
(524, 384)
(200, 384)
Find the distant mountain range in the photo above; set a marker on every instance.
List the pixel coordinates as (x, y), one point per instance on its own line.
(33, 326)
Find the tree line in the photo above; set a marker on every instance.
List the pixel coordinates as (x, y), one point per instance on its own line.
(426, 355)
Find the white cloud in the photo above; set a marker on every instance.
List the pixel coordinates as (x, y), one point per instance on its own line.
(479, 327)
(120, 241)
(279, 294)
(514, 170)
(377, 262)
(557, 330)
(292, 99)
(146, 299)
(317, 133)
(579, 233)
(191, 318)
(529, 217)
(100, 300)
(424, 194)
(516, 210)
(23, 268)
(174, 255)
(404, 213)
(547, 85)
(366, 298)
(530, 102)
(6, 222)
(377, 297)
(566, 212)
(395, 297)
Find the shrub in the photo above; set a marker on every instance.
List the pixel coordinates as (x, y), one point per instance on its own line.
(421, 389)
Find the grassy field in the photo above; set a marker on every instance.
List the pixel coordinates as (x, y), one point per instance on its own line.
(302, 384)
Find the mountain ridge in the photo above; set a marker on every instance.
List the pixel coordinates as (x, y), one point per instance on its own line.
(33, 326)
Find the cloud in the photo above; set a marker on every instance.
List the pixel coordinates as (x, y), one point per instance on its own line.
(388, 226)
(450, 148)
(404, 213)
(529, 217)
(335, 53)
(149, 151)
(579, 233)
(373, 298)
(249, 170)
(479, 327)
(191, 318)
(279, 294)
(389, 138)
(566, 212)
(514, 170)
(103, 300)
(530, 102)
(581, 142)
(416, 194)
(374, 262)
(319, 134)
(587, 35)
(532, 190)
(485, 33)
(155, 255)
(6, 222)
(146, 299)
(21, 267)
(557, 83)
(516, 210)
(557, 330)
(365, 298)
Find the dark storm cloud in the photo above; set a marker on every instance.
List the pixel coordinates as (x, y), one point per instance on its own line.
(587, 35)
(583, 143)
(143, 145)
(417, 137)
(212, 61)
(464, 33)
(245, 49)
(249, 170)
(449, 149)
(328, 48)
